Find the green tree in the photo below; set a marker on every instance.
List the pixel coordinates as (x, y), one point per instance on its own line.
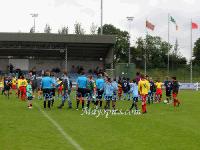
(122, 45)
(63, 30)
(32, 30)
(197, 52)
(47, 29)
(78, 28)
(93, 29)
(156, 51)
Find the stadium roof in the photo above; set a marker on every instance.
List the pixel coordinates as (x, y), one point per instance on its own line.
(51, 45)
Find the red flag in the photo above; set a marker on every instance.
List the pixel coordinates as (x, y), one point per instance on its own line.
(150, 26)
(194, 25)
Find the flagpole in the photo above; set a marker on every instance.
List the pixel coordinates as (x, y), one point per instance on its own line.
(168, 48)
(145, 53)
(191, 71)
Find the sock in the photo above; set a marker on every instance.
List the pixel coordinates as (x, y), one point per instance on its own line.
(49, 104)
(101, 103)
(45, 104)
(97, 102)
(132, 106)
(83, 103)
(88, 104)
(77, 103)
(52, 102)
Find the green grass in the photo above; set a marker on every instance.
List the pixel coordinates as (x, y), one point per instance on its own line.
(162, 128)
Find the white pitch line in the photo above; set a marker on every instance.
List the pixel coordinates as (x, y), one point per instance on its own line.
(60, 129)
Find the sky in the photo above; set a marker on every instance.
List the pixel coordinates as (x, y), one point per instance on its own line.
(15, 17)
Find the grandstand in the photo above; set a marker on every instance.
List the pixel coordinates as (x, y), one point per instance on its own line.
(43, 51)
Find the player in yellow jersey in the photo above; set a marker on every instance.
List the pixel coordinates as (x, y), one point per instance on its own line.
(22, 87)
(158, 85)
(18, 85)
(143, 87)
(1, 83)
(14, 83)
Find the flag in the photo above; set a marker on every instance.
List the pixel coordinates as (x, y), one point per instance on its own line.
(172, 20)
(194, 25)
(150, 26)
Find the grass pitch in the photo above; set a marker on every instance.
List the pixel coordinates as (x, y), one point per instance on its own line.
(162, 128)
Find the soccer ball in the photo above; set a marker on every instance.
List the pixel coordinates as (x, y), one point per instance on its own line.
(165, 101)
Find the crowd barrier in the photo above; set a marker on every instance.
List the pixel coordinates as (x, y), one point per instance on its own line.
(190, 86)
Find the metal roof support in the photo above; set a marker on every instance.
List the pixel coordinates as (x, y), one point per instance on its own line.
(66, 59)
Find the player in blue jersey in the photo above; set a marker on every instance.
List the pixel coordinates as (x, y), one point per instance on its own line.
(115, 91)
(81, 88)
(46, 86)
(108, 92)
(135, 95)
(100, 90)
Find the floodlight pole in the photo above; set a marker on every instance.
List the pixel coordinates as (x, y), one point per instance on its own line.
(66, 59)
(34, 16)
(101, 17)
(191, 66)
(130, 19)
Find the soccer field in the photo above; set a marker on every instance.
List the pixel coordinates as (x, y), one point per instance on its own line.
(162, 128)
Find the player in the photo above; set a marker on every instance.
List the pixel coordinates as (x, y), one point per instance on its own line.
(14, 83)
(1, 83)
(53, 88)
(120, 90)
(91, 89)
(67, 88)
(81, 88)
(114, 96)
(175, 89)
(29, 94)
(158, 85)
(108, 89)
(7, 86)
(143, 87)
(135, 95)
(168, 89)
(22, 87)
(100, 90)
(46, 86)
(126, 88)
(60, 88)
(151, 91)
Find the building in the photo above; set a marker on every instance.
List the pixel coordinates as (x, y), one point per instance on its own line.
(47, 51)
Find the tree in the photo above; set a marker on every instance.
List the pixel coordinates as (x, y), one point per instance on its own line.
(47, 29)
(93, 29)
(78, 28)
(156, 52)
(122, 45)
(63, 30)
(32, 30)
(197, 52)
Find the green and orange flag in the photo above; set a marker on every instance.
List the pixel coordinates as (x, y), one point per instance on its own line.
(173, 21)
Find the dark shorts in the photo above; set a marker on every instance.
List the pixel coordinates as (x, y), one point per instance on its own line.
(53, 92)
(168, 93)
(81, 92)
(174, 94)
(135, 99)
(99, 94)
(30, 98)
(47, 93)
(108, 98)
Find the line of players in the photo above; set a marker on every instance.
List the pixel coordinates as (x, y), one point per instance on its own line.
(94, 91)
